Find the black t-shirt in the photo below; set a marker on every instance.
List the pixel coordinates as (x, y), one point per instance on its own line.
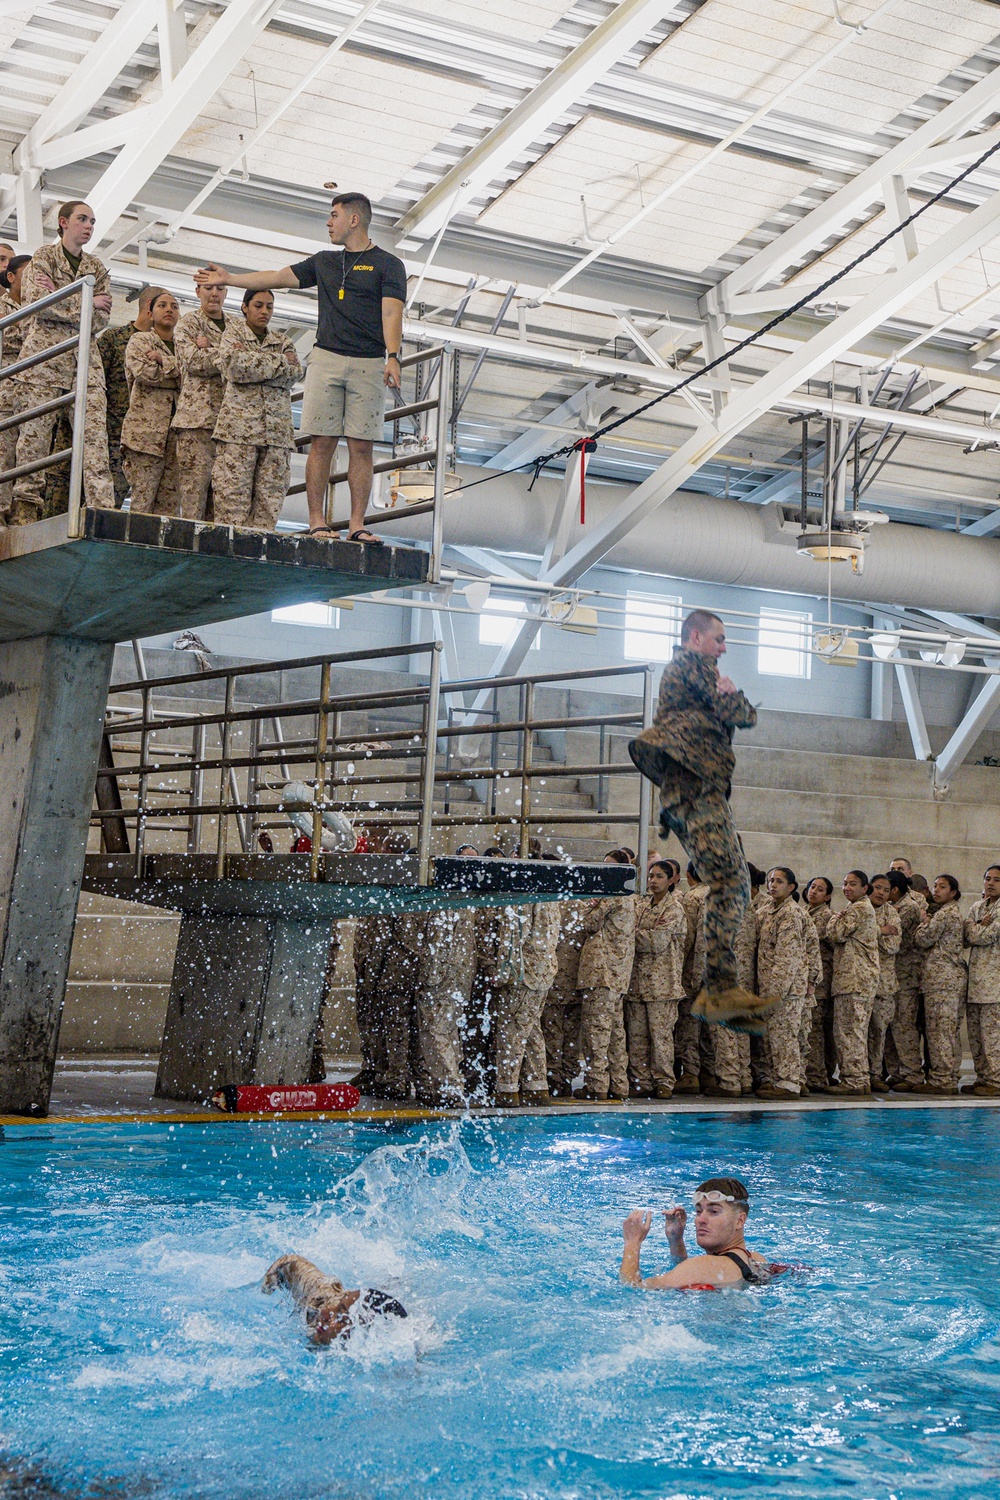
(352, 324)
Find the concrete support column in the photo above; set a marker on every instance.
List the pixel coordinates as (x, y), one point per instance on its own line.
(244, 1001)
(53, 691)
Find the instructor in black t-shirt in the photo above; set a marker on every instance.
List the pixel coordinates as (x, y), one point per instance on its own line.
(361, 291)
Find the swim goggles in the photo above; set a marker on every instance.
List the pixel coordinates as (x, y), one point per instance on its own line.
(714, 1196)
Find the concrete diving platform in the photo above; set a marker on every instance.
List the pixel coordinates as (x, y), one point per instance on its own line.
(250, 972)
(65, 601)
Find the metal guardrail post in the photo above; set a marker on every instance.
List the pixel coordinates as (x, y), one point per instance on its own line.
(528, 704)
(140, 801)
(198, 742)
(645, 786)
(426, 823)
(74, 528)
(319, 795)
(441, 424)
(223, 830)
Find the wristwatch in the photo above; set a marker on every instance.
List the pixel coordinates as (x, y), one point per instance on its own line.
(392, 356)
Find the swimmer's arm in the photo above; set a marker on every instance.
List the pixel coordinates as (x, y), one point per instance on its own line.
(634, 1231)
(674, 1224)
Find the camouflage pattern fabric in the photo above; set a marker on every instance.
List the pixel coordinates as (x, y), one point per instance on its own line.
(649, 1033)
(249, 485)
(853, 934)
(851, 1016)
(609, 947)
(9, 398)
(521, 1066)
(561, 1035)
(982, 938)
(694, 723)
(660, 937)
(154, 480)
(701, 820)
(983, 1021)
(602, 1041)
(256, 404)
(889, 940)
(111, 346)
(944, 981)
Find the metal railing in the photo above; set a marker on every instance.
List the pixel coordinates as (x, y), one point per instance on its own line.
(77, 398)
(208, 777)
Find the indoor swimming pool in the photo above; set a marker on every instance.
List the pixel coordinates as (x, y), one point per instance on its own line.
(138, 1357)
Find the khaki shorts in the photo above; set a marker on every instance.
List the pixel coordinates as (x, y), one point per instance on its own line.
(343, 397)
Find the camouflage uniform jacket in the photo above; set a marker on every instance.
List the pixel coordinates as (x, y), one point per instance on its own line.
(201, 376)
(854, 936)
(13, 338)
(540, 924)
(984, 952)
(782, 957)
(571, 940)
(694, 722)
(814, 952)
(152, 393)
(63, 320)
(888, 946)
(498, 944)
(820, 918)
(660, 936)
(609, 950)
(447, 952)
(111, 346)
(909, 959)
(943, 942)
(256, 404)
(693, 902)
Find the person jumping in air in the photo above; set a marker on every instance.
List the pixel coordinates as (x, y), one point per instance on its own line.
(721, 1206)
(688, 752)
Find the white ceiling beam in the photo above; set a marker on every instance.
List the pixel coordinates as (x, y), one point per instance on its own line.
(985, 526)
(105, 135)
(977, 717)
(171, 36)
(963, 114)
(90, 79)
(616, 35)
(951, 154)
(952, 247)
(179, 105)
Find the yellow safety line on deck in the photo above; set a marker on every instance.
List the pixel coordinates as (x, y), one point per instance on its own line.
(225, 1116)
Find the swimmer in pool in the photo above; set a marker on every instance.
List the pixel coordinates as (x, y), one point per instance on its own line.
(325, 1301)
(721, 1206)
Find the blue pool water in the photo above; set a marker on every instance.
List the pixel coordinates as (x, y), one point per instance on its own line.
(138, 1356)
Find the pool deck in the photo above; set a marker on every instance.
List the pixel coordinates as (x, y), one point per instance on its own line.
(120, 1089)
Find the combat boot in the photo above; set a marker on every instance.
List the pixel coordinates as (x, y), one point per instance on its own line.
(736, 1008)
(535, 1101)
(507, 1101)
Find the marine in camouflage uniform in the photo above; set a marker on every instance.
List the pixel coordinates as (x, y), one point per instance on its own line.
(111, 346)
(854, 936)
(444, 978)
(149, 443)
(253, 431)
(944, 980)
(688, 752)
(520, 1050)
(982, 937)
(904, 1028)
(687, 1033)
(372, 937)
(604, 976)
(497, 931)
(815, 975)
(890, 935)
(782, 970)
(820, 1054)
(199, 403)
(561, 1016)
(654, 993)
(10, 397)
(56, 377)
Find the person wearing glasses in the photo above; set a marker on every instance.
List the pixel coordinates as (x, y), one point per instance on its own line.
(721, 1206)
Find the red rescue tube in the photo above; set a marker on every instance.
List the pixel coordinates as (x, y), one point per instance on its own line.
(281, 1099)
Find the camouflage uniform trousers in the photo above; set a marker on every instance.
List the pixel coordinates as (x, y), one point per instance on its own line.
(701, 819)
(732, 1061)
(904, 1029)
(649, 1029)
(851, 1015)
(392, 1019)
(983, 1022)
(520, 1048)
(882, 1013)
(782, 1053)
(820, 1052)
(437, 1059)
(154, 479)
(372, 1041)
(561, 1034)
(35, 440)
(196, 456)
(942, 1018)
(687, 1040)
(478, 1036)
(115, 422)
(602, 1042)
(249, 485)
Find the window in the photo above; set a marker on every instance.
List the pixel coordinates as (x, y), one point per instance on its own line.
(496, 628)
(325, 615)
(652, 626)
(784, 643)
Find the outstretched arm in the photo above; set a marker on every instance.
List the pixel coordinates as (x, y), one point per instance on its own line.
(251, 281)
(634, 1231)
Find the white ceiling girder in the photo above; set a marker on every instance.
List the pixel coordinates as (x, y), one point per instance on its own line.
(963, 114)
(180, 104)
(616, 35)
(103, 136)
(901, 286)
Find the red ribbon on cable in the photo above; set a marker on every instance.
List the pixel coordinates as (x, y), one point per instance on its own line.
(583, 447)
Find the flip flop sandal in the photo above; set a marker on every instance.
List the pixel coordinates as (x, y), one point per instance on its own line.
(366, 537)
(330, 531)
